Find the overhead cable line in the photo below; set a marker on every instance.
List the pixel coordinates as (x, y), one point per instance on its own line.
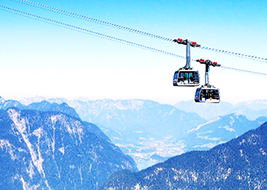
(97, 34)
(246, 71)
(86, 18)
(240, 70)
(90, 32)
(241, 55)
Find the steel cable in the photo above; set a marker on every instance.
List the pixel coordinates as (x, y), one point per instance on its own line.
(245, 71)
(83, 30)
(97, 34)
(241, 55)
(86, 18)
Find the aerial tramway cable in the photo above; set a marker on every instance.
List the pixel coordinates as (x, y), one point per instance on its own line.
(98, 21)
(83, 30)
(108, 37)
(86, 18)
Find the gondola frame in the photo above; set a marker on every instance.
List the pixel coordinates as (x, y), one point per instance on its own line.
(209, 98)
(190, 81)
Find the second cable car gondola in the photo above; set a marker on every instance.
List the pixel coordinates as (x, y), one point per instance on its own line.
(186, 76)
(207, 94)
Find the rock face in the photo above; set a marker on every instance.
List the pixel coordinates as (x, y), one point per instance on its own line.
(53, 150)
(237, 164)
(40, 106)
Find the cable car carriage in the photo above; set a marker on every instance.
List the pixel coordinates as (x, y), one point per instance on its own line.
(207, 94)
(186, 77)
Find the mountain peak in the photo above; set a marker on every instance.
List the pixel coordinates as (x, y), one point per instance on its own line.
(28, 101)
(2, 100)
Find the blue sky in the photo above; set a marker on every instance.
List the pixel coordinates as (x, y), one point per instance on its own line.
(45, 60)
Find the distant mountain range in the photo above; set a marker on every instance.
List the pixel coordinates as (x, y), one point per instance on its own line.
(38, 136)
(40, 106)
(143, 129)
(219, 130)
(151, 132)
(237, 164)
(54, 150)
(251, 109)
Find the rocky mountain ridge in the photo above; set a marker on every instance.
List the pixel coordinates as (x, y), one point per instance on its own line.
(151, 132)
(53, 150)
(141, 128)
(237, 164)
(40, 106)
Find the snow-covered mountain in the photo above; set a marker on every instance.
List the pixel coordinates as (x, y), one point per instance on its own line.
(46, 106)
(146, 130)
(53, 150)
(255, 104)
(252, 109)
(219, 130)
(151, 132)
(4, 104)
(29, 100)
(237, 164)
(207, 111)
(127, 115)
(40, 106)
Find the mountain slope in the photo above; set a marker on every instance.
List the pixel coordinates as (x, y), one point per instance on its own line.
(52, 150)
(237, 164)
(219, 130)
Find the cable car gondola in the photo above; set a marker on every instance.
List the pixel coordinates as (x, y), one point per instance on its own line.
(186, 76)
(207, 93)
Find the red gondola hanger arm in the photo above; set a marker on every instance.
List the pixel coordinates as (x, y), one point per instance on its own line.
(208, 62)
(184, 42)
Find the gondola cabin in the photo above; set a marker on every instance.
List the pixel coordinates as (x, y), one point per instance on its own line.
(184, 77)
(207, 94)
